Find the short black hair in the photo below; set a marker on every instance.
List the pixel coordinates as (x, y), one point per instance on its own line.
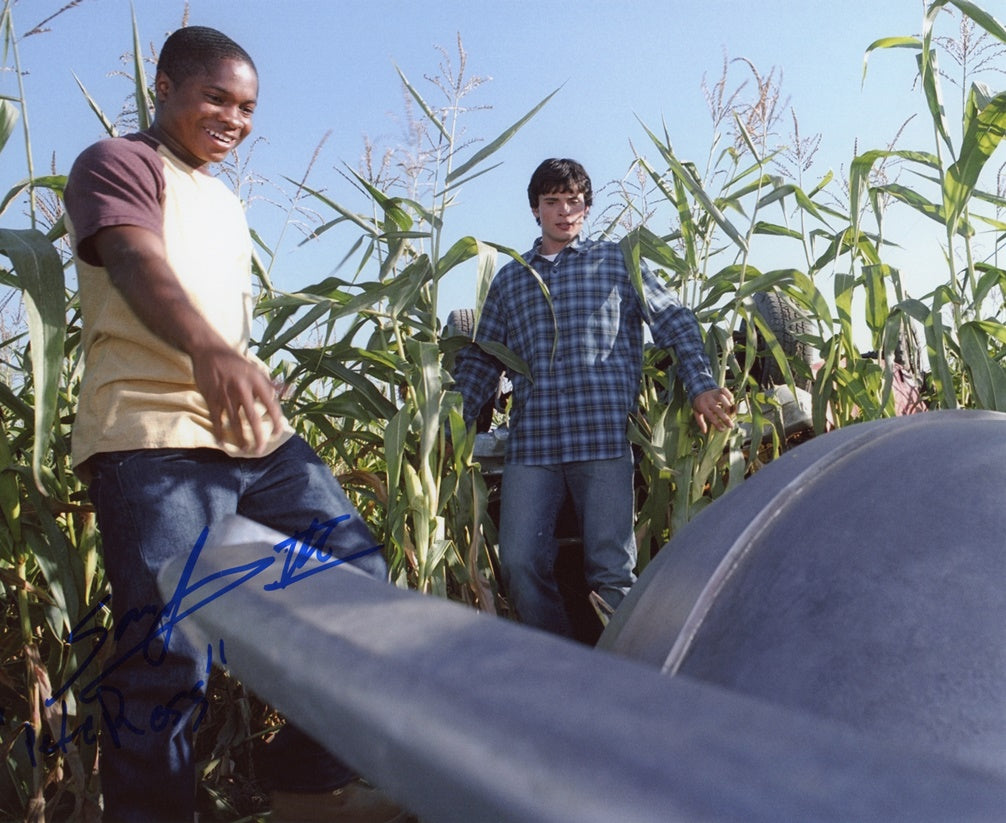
(193, 49)
(559, 175)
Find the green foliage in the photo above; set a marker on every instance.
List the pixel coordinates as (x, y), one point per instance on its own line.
(38, 274)
(708, 256)
(384, 358)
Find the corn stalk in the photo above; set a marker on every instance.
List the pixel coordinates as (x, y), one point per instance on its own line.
(965, 343)
(385, 358)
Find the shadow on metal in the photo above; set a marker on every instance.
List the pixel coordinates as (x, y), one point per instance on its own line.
(860, 577)
(464, 717)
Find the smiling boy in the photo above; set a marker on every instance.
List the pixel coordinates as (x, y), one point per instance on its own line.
(178, 424)
(568, 422)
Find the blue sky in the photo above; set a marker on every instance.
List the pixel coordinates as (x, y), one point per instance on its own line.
(327, 67)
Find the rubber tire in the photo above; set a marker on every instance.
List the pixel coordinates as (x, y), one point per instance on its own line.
(460, 321)
(787, 324)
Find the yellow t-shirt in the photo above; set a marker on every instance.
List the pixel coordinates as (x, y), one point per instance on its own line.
(139, 392)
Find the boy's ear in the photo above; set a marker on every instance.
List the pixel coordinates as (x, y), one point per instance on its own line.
(162, 86)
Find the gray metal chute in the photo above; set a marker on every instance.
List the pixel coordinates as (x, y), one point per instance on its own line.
(861, 577)
(467, 718)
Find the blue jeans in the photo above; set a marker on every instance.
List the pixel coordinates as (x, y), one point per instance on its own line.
(153, 505)
(601, 491)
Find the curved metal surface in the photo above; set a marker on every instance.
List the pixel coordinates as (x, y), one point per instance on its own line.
(860, 577)
(466, 718)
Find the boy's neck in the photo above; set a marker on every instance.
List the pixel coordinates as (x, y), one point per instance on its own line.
(550, 248)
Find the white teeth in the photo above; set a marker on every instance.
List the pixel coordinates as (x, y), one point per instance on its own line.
(217, 136)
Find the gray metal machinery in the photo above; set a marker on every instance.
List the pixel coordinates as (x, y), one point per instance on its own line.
(824, 643)
(860, 578)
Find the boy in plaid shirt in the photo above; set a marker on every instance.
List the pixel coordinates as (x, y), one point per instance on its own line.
(568, 423)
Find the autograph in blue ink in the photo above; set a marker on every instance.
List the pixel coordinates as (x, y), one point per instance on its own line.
(297, 554)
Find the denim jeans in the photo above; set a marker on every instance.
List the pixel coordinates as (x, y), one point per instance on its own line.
(601, 491)
(153, 505)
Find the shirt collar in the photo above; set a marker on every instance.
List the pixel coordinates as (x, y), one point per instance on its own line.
(579, 244)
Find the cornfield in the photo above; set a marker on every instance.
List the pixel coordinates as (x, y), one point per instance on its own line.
(365, 362)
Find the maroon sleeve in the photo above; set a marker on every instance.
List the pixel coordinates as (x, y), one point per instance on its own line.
(115, 182)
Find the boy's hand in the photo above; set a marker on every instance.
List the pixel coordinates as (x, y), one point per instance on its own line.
(233, 387)
(714, 407)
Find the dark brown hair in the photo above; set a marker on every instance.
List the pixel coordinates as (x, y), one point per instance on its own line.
(559, 175)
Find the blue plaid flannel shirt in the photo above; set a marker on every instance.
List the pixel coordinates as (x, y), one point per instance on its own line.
(586, 365)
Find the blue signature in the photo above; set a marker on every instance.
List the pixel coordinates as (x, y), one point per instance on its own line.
(297, 551)
(112, 703)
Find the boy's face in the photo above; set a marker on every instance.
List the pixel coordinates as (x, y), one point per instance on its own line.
(208, 114)
(561, 215)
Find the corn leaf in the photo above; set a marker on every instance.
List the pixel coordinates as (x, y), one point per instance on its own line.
(8, 119)
(876, 277)
(10, 500)
(374, 402)
(52, 553)
(630, 253)
(862, 166)
(939, 363)
(424, 105)
(921, 204)
(396, 435)
(690, 182)
(656, 249)
(982, 18)
(40, 274)
(486, 271)
(274, 342)
(392, 206)
(890, 43)
(426, 383)
(107, 124)
(499, 142)
(510, 361)
(992, 277)
(781, 191)
(363, 223)
(806, 293)
(929, 71)
(144, 105)
(986, 125)
(775, 230)
(987, 375)
(464, 249)
(405, 289)
(55, 183)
